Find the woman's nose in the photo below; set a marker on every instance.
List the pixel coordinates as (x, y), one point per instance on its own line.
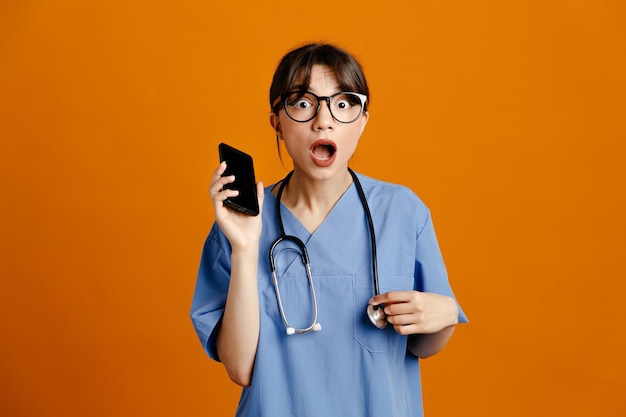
(324, 118)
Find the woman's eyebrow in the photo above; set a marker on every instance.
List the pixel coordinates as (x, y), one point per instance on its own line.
(306, 89)
(299, 87)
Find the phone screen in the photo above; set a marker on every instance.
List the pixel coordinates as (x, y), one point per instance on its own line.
(240, 165)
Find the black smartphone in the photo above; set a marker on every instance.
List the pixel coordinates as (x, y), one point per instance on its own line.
(240, 165)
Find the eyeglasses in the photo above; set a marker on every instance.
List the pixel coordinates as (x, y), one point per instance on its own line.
(345, 107)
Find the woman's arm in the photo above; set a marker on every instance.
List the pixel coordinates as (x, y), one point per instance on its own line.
(239, 332)
(238, 335)
(428, 318)
(425, 345)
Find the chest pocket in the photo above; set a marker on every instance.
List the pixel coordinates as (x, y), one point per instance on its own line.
(365, 333)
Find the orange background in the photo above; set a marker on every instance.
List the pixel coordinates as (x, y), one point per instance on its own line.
(507, 118)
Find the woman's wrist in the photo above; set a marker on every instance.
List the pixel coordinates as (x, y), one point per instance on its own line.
(245, 250)
(454, 312)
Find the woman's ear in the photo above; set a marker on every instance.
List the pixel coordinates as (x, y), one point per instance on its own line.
(364, 118)
(275, 122)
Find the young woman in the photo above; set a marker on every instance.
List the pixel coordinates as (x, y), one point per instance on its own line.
(342, 335)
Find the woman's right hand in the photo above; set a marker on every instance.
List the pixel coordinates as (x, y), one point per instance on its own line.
(242, 230)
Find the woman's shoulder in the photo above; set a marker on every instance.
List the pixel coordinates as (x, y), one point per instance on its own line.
(379, 189)
(394, 202)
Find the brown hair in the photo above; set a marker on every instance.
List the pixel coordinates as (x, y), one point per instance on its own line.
(294, 71)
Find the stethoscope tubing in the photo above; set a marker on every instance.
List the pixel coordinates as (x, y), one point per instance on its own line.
(315, 326)
(370, 225)
(305, 260)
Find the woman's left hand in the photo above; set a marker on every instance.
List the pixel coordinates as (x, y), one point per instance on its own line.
(414, 312)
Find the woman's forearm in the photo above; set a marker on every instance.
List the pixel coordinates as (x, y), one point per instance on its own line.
(239, 332)
(429, 344)
(425, 345)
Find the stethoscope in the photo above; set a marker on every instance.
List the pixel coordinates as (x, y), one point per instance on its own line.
(375, 313)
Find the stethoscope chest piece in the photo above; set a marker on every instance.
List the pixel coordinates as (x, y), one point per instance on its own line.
(377, 316)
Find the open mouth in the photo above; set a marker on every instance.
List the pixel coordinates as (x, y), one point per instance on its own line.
(323, 150)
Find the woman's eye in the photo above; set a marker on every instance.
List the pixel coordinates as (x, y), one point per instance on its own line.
(343, 104)
(300, 104)
(303, 104)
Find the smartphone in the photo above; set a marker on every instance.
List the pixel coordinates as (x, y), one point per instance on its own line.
(240, 165)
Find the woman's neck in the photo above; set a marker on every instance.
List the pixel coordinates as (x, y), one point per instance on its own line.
(310, 200)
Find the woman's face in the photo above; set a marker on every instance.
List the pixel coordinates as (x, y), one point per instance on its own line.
(321, 147)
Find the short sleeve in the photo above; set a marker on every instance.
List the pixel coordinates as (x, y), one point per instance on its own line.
(430, 270)
(209, 299)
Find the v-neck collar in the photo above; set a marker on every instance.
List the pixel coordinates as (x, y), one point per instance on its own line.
(293, 225)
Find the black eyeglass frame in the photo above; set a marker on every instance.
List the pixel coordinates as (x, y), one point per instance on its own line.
(283, 99)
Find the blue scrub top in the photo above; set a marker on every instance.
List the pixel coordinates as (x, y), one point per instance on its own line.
(350, 367)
